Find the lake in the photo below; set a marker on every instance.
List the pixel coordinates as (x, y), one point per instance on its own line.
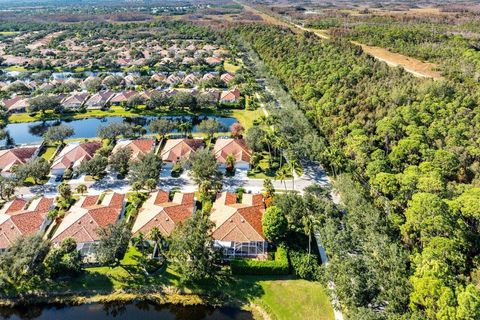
(32, 132)
(124, 311)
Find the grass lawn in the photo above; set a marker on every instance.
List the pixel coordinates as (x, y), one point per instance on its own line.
(8, 33)
(16, 68)
(296, 299)
(246, 117)
(230, 68)
(48, 152)
(282, 296)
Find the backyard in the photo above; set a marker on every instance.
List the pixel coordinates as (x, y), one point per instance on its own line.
(283, 297)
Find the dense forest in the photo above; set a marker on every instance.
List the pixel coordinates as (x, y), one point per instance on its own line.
(407, 248)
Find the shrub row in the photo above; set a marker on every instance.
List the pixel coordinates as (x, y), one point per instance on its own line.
(279, 266)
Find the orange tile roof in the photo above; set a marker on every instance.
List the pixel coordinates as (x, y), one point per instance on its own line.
(17, 219)
(138, 147)
(87, 216)
(236, 147)
(178, 149)
(158, 211)
(240, 222)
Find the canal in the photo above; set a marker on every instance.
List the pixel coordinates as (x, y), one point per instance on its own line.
(124, 311)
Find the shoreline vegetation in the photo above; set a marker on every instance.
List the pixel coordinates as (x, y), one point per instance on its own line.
(246, 117)
(274, 304)
(267, 297)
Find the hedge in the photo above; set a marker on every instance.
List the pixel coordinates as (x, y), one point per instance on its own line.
(279, 266)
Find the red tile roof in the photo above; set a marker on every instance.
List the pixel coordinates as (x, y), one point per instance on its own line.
(158, 211)
(240, 222)
(236, 147)
(87, 216)
(178, 149)
(16, 156)
(21, 218)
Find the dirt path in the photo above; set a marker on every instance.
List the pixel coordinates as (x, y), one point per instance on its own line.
(414, 66)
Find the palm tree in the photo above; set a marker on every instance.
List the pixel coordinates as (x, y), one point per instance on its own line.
(279, 143)
(139, 241)
(230, 163)
(81, 189)
(157, 237)
(309, 224)
(295, 168)
(282, 176)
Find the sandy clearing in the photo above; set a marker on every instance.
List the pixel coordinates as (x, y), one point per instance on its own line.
(414, 66)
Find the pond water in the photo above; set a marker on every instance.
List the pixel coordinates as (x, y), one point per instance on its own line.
(32, 132)
(124, 311)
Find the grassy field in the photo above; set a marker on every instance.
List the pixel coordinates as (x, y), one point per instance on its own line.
(296, 299)
(8, 33)
(230, 68)
(282, 297)
(15, 68)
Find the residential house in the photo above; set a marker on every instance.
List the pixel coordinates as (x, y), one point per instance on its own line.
(15, 104)
(158, 77)
(213, 61)
(23, 218)
(226, 77)
(208, 76)
(188, 60)
(215, 93)
(147, 95)
(122, 97)
(123, 62)
(173, 79)
(179, 149)
(86, 217)
(190, 79)
(230, 96)
(235, 147)
(73, 155)
(138, 148)
(130, 80)
(238, 226)
(75, 100)
(209, 47)
(99, 99)
(159, 212)
(16, 157)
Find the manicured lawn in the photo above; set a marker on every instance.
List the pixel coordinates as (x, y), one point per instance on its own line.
(16, 68)
(48, 152)
(246, 117)
(8, 33)
(230, 68)
(296, 299)
(282, 296)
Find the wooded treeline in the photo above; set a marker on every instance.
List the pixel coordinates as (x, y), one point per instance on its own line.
(408, 247)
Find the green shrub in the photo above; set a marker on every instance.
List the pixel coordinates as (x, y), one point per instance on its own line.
(305, 266)
(279, 266)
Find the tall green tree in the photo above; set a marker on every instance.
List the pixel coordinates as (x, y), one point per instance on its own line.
(191, 250)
